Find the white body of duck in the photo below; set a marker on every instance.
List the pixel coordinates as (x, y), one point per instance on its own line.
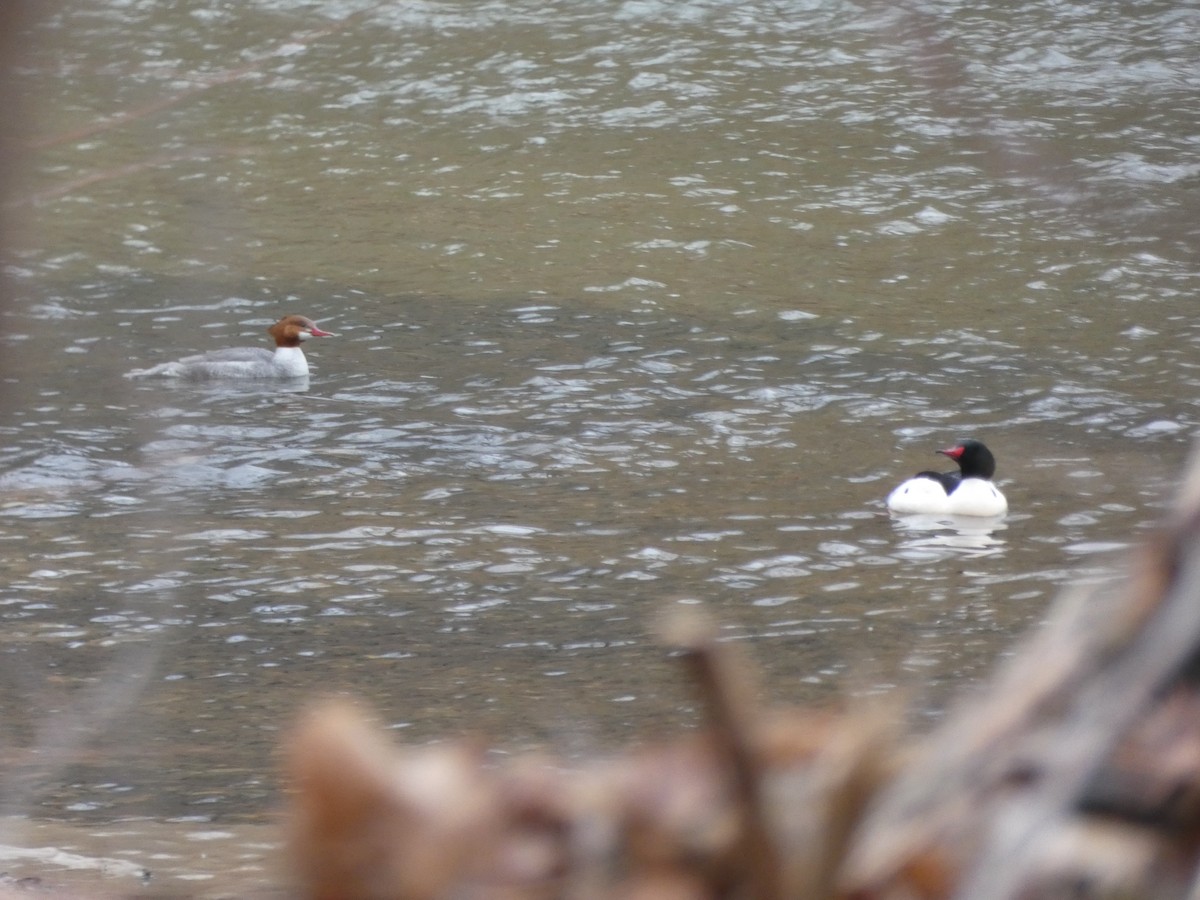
(967, 492)
(287, 360)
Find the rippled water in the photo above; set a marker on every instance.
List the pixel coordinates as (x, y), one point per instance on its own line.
(638, 304)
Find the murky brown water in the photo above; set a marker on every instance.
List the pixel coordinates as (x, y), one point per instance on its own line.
(639, 303)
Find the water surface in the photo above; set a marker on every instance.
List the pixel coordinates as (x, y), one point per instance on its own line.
(638, 304)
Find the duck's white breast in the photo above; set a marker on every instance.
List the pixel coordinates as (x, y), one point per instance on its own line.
(977, 497)
(290, 362)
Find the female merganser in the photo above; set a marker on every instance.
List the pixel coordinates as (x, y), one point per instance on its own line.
(967, 492)
(247, 362)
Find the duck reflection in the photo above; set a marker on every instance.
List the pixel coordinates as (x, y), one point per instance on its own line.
(932, 535)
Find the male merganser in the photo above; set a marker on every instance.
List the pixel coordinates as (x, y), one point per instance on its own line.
(247, 362)
(967, 492)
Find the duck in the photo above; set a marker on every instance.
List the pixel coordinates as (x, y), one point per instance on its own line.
(967, 492)
(243, 363)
